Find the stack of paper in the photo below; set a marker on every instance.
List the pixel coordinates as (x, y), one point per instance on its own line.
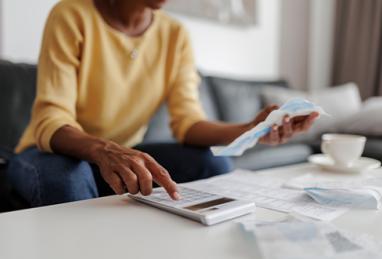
(267, 193)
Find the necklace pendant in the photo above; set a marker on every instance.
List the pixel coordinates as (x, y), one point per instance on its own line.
(134, 54)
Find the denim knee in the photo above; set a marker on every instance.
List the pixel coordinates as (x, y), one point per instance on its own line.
(216, 165)
(45, 179)
(73, 181)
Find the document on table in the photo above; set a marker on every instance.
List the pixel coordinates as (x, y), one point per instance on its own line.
(361, 193)
(293, 238)
(267, 193)
(310, 180)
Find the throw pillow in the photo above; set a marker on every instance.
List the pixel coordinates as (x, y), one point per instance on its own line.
(368, 121)
(237, 100)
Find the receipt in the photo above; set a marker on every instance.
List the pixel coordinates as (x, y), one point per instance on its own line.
(297, 239)
(293, 108)
(353, 197)
(360, 193)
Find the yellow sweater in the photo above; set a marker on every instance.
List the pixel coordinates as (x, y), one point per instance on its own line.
(90, 78)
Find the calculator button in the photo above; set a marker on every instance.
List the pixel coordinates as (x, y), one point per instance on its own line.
(189, 196)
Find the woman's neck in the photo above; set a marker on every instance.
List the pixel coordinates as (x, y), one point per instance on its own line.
(130, 17)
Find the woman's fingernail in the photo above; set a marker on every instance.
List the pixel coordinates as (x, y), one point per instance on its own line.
(176, 196)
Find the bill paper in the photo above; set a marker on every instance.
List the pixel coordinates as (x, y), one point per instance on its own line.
(292, 108)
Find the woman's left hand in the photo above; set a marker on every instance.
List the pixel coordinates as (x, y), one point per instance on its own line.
(290, 127)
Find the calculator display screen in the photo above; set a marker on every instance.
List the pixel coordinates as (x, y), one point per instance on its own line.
(208, 204)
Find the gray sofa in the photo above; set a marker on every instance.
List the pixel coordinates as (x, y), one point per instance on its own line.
(223, 99)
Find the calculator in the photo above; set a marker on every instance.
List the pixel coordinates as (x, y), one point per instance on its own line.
(204, 207)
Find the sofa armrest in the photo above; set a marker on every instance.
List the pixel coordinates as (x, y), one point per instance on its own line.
(5, 155)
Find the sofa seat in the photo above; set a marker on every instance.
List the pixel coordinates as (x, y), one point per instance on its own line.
(262, 157)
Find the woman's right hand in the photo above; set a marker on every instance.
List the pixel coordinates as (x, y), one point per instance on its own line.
(128, 168)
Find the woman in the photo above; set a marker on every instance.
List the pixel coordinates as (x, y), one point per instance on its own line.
(104, 69)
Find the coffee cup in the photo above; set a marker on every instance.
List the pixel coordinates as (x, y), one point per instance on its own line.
(344, 149)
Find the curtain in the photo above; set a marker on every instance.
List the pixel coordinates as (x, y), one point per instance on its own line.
(358, 45)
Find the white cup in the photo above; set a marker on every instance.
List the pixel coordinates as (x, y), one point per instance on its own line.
(344, 149)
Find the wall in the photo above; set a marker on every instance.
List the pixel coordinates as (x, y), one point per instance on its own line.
(239, 52)
(1, 26)
(245, 53)
(307, 35)
(321, 43)
(23, 23)
(293, 40)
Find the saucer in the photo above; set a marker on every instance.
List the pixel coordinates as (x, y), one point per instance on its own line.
(361, 165)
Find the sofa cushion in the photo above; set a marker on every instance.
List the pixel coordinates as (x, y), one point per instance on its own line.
(17, 88)
(373, 148)
(4, 191)
(159, 130)
(261, 156)
(208, 100)
(239, 101)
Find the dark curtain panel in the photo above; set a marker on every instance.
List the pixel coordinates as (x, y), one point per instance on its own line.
(358, 45)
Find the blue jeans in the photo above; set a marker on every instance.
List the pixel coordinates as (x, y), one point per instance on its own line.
(45, 179)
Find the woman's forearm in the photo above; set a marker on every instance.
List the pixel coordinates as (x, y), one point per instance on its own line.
(206, 133)
(72, 142)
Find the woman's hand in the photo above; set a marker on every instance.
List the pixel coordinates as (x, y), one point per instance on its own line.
(289, 128)
(127, 168)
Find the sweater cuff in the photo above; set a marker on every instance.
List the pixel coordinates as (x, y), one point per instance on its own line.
(45, 140)
(181, 133)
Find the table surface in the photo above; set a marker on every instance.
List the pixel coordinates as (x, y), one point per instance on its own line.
(118, 227)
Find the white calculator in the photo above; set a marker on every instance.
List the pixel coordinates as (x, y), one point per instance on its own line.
(197, 205)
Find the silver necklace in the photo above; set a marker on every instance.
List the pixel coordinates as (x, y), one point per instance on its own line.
(134, 52)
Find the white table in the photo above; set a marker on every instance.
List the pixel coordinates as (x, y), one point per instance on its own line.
(118, 227)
